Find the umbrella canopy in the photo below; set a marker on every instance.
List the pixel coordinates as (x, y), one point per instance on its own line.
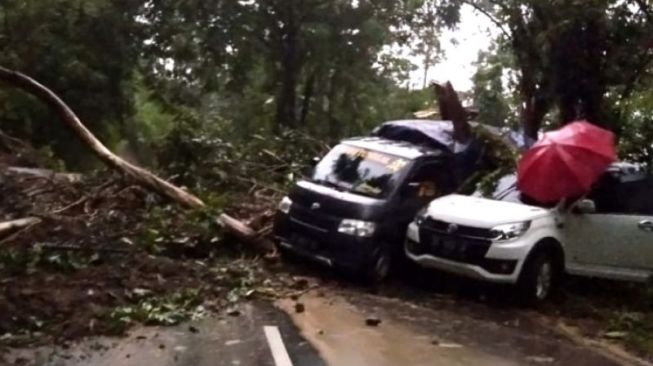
(566, 162)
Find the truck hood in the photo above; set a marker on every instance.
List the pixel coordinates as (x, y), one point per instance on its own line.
(482, 212)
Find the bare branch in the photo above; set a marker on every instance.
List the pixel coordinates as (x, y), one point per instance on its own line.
(489, 16)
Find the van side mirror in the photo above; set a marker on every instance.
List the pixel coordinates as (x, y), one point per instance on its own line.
(314, 161)
(411, 189)
(585, 206)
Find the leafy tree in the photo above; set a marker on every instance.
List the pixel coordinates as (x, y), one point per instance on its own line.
(572, 57)
(491, 93)
(84, 50)
(314, 64)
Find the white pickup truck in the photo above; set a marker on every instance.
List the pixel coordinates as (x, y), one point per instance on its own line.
(607, 234)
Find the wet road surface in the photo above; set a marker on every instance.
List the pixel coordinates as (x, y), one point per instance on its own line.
(332, 330)
(228, 341)
(416, 335)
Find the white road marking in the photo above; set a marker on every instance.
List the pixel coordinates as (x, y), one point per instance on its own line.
(279, 352)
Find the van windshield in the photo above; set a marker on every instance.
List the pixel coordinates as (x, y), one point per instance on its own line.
(354, 169)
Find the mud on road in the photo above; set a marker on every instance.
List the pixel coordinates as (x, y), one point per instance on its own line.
(330, 324)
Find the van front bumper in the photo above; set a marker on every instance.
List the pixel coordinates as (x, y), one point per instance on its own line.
(349, 253)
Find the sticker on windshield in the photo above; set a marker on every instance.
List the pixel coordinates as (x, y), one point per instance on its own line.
(396, 165)
(391, 163)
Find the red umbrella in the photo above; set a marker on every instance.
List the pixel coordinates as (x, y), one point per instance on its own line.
(566, 162)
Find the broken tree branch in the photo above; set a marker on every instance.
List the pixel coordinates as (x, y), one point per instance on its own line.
(9, 226)
(451, 109)
(244, 232)
(140, 175)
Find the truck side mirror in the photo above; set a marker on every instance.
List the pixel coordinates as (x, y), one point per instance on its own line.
(585, 206)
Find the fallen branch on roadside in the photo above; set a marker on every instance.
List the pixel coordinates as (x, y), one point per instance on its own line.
(245, 233)
(46, 174)
(9, 226)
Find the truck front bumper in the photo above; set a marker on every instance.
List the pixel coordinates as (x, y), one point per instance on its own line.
(498, 266)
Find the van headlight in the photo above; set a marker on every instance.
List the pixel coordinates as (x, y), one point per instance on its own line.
(364, 229)
(284, 205)
(420, 217)
(510, 231)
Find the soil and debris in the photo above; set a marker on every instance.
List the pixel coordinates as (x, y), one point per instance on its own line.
(103, 254)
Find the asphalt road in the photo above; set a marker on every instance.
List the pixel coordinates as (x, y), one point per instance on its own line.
(332, 330)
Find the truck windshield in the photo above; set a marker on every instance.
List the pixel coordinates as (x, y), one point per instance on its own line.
(354, 169)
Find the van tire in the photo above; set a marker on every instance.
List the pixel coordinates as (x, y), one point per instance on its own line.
(379, 268)
(539, 276)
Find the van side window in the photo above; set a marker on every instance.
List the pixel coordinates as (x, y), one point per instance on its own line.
(430, 176)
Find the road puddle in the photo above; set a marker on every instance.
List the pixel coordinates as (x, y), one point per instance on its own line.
(338, 330)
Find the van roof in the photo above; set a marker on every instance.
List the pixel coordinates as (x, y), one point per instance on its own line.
(401, 149)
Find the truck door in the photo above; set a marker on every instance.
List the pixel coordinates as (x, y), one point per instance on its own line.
(620, 233)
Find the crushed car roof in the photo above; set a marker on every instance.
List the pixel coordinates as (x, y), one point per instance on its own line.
(432, 133)
(401, 149)
(436, 134)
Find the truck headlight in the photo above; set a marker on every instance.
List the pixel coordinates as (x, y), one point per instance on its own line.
(364, 229)
(284, 205)
(510, 231)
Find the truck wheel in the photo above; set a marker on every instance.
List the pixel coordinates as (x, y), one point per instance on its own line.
(379, 269)
(538, 277)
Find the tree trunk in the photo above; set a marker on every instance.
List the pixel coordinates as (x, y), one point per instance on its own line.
(451, 109)
(140, 175)
(306, 103)
(289, 69)
(532, 117)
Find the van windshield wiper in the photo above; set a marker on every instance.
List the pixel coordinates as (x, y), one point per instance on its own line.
(329, 183)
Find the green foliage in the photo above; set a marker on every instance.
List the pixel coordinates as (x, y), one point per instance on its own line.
(636, 140)
(208, 159)
(169, 310)
(316, 65)
(636, 328)
(147, 75)
(568, 60)
(85, 52)
(498, 159)
(25, 261)
(492, 94)
(183, 233)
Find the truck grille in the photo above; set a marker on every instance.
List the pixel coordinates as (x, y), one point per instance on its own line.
(452, 247)
(442, 227)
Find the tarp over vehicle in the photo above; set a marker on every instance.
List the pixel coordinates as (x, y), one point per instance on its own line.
(435, 134)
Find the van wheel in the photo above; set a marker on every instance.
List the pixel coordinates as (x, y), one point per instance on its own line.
(379, 269)
(538, 277)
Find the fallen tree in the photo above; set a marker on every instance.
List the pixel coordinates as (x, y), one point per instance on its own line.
(138, 174)
(141, 176)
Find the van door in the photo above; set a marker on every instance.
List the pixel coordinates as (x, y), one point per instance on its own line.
(620, 233)
(426, 182)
